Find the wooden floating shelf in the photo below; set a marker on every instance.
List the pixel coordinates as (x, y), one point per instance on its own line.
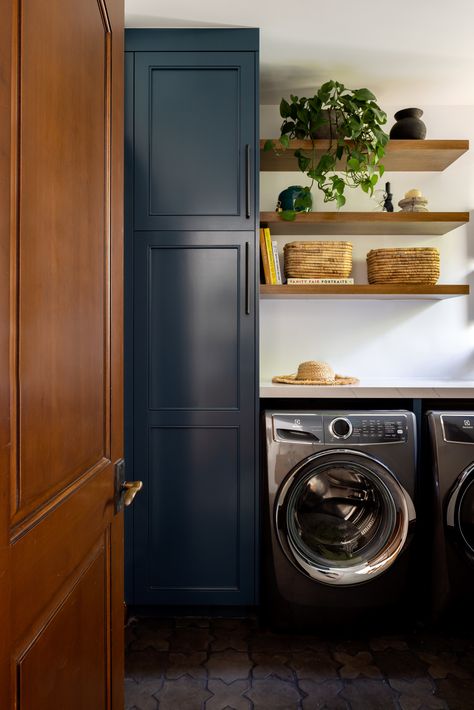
(341, 223)
(393, 292)
(413, 155)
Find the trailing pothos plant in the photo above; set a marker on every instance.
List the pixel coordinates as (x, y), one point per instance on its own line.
(356, 142)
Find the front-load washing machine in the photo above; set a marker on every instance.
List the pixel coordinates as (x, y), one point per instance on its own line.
(452, 448)
(339, 516)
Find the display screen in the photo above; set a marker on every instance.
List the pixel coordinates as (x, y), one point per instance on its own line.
(459, 427)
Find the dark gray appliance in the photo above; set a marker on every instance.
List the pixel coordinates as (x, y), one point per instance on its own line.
(452, 446)
(340, 515)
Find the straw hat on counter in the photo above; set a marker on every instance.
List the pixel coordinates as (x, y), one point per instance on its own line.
(313, 372)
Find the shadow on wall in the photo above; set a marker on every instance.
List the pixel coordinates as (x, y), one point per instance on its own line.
(345, 333)
(138, 21)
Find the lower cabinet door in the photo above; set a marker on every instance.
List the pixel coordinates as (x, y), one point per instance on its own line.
(194, 389)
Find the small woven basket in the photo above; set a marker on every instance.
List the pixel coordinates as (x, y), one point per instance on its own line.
(415, 265)
(318, 260)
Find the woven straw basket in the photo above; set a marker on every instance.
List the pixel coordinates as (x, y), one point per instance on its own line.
(415, 265)
(318, 260)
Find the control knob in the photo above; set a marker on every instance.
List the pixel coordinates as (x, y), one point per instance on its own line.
(340, 428)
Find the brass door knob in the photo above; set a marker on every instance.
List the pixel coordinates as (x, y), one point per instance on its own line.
(130, 490)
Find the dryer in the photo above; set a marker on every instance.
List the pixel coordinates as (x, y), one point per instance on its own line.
(339, 516)
(452, 510)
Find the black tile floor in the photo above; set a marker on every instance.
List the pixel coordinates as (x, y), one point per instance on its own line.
(232, 664)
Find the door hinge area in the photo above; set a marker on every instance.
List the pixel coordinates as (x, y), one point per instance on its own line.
(119, 482)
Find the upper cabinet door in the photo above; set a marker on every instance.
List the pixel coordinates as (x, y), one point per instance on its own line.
(195, 140)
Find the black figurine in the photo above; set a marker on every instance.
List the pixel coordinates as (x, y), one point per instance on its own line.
(387, 201)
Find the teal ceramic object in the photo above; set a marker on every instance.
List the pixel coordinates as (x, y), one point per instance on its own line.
(286, 199)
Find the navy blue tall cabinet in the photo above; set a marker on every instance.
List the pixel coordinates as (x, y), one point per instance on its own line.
(191, 267)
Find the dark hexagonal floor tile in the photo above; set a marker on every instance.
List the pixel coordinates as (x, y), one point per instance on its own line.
(140, 696)
(229, 665)
(240, 625)
(269, 642)
(268, 664)
(314, 665)
(145, 665)
(191, 664)
(185, 693)
(324, 695)
(230, 638)
(228, 696)
(457, 692)
(363, 694)
(399, 664)
(359, 664)
(274, 694)
(190, 639)
(417, 694)
(440, 665)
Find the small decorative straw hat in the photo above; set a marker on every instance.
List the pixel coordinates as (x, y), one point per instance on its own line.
(315, 373)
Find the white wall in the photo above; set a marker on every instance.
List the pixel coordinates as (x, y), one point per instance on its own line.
(382, 338)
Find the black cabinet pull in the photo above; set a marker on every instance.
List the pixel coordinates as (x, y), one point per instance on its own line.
(247, 181)
(247, 279)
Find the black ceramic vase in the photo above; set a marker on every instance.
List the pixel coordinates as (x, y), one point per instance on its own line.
(408, 125)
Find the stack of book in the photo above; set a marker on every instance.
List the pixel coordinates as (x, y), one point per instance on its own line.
(270, 257)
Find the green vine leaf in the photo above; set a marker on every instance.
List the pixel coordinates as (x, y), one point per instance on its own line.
(288, 215)
(284, 108)
(364, 95)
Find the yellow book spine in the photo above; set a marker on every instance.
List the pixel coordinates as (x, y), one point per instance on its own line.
(271, 260)
(263, 250)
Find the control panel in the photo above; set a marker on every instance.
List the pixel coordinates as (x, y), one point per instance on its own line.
(366, 428)
(341, 428)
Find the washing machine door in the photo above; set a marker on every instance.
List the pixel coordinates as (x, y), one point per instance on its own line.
(460, 510)
(342, 517)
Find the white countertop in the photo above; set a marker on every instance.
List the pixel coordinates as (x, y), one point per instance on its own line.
(416, 388)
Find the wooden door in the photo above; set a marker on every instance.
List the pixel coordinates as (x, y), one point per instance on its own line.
(61, 569)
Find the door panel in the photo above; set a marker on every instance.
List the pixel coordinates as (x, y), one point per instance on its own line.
(72, 631)
(82, 515)
(176, 121)
(186, 463)
(62, 249)
(64, 238)
(185, 327)
(194, 526)
(194, 416)
(194, 118)
(190, 321)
